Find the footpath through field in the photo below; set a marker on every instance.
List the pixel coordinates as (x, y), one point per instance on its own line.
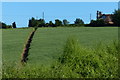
(47, 44)
(27, 47)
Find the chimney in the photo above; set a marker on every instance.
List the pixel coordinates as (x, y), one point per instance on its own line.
(97, 15)
(100, 13)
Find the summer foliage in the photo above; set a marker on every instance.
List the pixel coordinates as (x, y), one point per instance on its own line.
(116, 17)
(75, 62)
(55, 53)
(60, 49)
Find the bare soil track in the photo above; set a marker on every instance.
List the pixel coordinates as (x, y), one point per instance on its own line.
(27, 47)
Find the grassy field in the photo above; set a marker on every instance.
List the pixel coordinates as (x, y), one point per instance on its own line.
(13, 41)
(57, 49)
(47, 44)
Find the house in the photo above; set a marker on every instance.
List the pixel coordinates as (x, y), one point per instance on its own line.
(106, 17)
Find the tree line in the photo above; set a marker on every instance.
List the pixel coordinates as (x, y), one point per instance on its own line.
(78, 22)
(41, 23)
(5, 26)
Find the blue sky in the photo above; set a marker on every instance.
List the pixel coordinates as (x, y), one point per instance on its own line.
(21, 12)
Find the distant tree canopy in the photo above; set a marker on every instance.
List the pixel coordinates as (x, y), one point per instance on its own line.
(51, 24)
(65, 22)
(97, 23)
(116, 17)
(41, 23)
(78, 22)
(33, 22)
(58, 22)
(36, 23)
(4, 26)
(14, 25)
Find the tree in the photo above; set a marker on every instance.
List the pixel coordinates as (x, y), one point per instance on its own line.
(33, 22)
(78, 22)
(14, 25)
(116, 17)
(9, 26)
(58, 22)
(97, 23)
(47, 25)
(41, 23)
(65, 22)
(0, 25)
(4, 26)
(51, 24)
(30, 23)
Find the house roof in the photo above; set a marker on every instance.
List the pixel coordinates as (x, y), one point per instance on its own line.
(107, 14)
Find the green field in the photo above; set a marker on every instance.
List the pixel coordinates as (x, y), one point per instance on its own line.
(49, 44)
(13, 41)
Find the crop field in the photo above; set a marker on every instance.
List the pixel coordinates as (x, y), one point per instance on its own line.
(48, 43)
(62, 52)
(13, 41)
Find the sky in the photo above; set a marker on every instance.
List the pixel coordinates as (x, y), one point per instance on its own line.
(21, 12)
(119, 5)
(59, 0)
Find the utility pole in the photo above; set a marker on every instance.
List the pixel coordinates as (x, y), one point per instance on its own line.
(90, 17)
(43, 15)
(37, 17)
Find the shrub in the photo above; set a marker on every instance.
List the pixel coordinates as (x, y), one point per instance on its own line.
(97, 23)
(79, 62)
(75, 62)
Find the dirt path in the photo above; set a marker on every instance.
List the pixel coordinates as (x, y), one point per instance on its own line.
(27, 47)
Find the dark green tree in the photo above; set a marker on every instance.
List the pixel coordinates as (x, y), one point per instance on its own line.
(58, 22)
(78, 22)
(9, 26)
(65, 22)
(3, 25)
(33, 22)
(14, 25)
(41, 23)
(51, 24)
(0, 25)
(46, 24)
(30, 23)
(97, 23)
(116, 17)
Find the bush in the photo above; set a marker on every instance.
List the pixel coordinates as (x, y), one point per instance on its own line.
(75, 62)
(97, 23)
(79, 62)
